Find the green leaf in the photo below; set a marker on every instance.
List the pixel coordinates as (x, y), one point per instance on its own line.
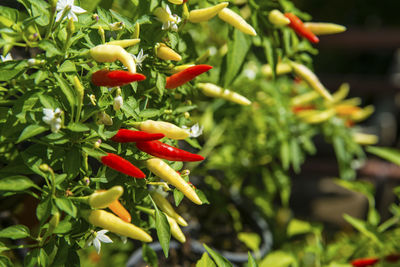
(72, 162)
(95, 153)
(66, 205)
(251, 261)
(64, 227)
(7, 75)
(50, 48)
(205, 261)
(390, 154)
(16, 183)
(251, 240)
(66, 90)
(278, 259)
(149, 113)
(15, 232)
(149, 255)
(237, 50)
(297, 227)
(218, 258)
(43, 210)
(178, 196)
(40, 9)
(163, 231)
(30, 131)
(78, 127)
(9, 13)
(67, 66)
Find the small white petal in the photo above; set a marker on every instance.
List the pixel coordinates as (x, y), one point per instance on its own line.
(58, 16)
(102, 232)
(47, 120)
(73, 16)
(174, 27)
(78, 10)
(48, 112)
(168, 9)
(97, 245)
(104, 238)
(124, 239)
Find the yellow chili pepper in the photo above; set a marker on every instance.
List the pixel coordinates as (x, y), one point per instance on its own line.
(102, 199)
(168, 129)
(166, 53)
(165, 172)
(341, 93)
(204, 14)
(346, 110)
(213, 90)
(109, 221)
(111, 53)
(312, 80)
(304, 98)
(320, 28)
(363, 114)
(365, 139)
(162, 14)
(277, 18)
(281, 68)
(316, 116)
(166, 207)
(236, 21)
(124, 43)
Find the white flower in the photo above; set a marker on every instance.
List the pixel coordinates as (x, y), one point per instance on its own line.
(8, 57)
(173, 25)
(52, 118)
(195, 130)
(99, 237)
(118, 102)
(63, 4)
(250, 74)
(139, 58)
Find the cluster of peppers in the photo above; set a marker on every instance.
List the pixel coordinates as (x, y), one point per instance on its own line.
(146, 138)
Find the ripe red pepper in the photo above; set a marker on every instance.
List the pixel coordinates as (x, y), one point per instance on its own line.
(164, 151)
(186, 75)
(127, 136)
(297, 25)
(113, 78)
(363, 262)
(117, 163)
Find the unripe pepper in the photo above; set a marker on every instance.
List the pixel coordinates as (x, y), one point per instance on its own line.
(311, 79)
(179, 68)
(164, 151)
(304, 98)
(363, 114)
(277, 18)
(364, 262)
(128, 136)
(122, 165)
(111, 53)
(204, 14)
(346, 110)
(170, 130)
(103, 198)
(120, 210)
(109, 221)
(124, 43)
(316, 116)
(185, 76)
(166, 207)
(236, 21)
(281, 68)
(365, 139)
(165, 53)
(113, 78)
(163, 15)
(297, 25)
(165, 172)
(176, 2)
(320, 28)
(213, 90)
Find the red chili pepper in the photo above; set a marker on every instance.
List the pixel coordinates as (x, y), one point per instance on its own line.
(297, 25)
(164, 151)
(363, 262)
(127, 136)
(117, 163)
(112, 78)
(186, 75)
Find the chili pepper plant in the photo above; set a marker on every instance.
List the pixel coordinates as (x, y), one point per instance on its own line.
(99, 107)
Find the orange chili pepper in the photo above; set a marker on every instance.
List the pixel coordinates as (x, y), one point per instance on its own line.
(120, 210)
